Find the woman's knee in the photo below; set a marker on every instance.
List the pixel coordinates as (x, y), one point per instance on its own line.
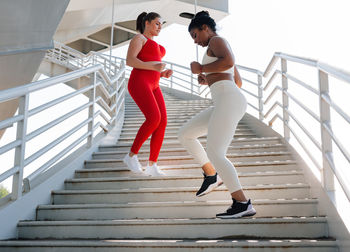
(153, 120)
(215, 154)
(183, 134)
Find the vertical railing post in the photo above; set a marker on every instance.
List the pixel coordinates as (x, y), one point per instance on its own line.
(191, 83)
(260, 95)
(285, 100)
(20, 150)
(171, 77)
(92, 98)
(122, 102)
(115, 99)
(59, 53)
(325, 119)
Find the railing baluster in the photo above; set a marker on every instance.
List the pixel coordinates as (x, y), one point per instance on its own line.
(285, 100)
(191, 83)
(260, 95)
(20, 150)
(325, 118)
(92, 98)
(171, 77)
(114, 100)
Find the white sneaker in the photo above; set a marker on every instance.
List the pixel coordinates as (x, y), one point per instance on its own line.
(153, 170)
(132, 163)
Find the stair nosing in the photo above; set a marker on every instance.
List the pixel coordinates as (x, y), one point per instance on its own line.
(180, 221)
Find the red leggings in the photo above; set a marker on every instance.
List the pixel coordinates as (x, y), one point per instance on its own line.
(151, 102)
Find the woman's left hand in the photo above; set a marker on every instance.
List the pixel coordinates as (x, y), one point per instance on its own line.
(196, 67)
(167, 73)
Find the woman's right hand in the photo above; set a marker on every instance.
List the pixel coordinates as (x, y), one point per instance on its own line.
(159, 66)
(202, 79)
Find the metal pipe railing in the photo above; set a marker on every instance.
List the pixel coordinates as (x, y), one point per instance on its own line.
(72, 58)
(111, 85)
(328, 168)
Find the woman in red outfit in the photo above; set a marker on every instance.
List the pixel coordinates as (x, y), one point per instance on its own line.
(145, 56)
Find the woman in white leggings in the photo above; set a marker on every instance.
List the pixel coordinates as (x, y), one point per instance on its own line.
(220, 121)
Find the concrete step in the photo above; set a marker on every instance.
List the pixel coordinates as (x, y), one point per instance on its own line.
(182, 151)
(261, 228)
(202, 245)
(104, 190)
(188, 159)
(170, 114)
(171, 209)
(176, 104)
(194, 169)
(254, 178)
(254, 155)
(175, 137)
(176, 143)
(174, 128)
(134, 110)
(169, 128)
(174, 133)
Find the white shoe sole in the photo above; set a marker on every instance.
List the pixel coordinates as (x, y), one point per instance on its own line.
(249, 212)
(211, 188)
(154, 174)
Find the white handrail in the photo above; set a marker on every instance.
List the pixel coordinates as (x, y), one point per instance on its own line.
(74, 59)
(82, 66)
(324, 119)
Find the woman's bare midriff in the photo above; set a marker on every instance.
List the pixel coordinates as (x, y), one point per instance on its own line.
(214, 77)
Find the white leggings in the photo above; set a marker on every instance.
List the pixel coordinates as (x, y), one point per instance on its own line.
(219, 124)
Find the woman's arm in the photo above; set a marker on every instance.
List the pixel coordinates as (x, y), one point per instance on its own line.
(135, 47)
(220, 49)
(237, 78)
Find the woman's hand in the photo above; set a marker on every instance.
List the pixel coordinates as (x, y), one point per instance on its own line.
(166, 73)
(196, 67)
(202, 79)
(159, 66)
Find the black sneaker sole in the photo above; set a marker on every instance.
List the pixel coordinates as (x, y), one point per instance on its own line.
(210, 188)
(247, 213)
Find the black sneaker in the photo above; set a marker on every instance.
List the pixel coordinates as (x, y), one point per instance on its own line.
(209, 184)
(238, 210)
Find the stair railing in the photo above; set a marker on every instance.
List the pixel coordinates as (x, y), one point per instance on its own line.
(256, 92)
(259, 97)
(111, 111)
(327, 140)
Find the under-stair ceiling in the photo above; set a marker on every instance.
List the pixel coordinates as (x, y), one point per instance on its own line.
(86, 25)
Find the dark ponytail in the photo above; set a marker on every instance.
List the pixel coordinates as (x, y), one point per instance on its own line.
(202, 18)
(142, 18)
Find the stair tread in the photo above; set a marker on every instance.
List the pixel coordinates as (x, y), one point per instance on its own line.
(253, 146)
(246, 154)
(236, 163)
(175, 189)
(174, 243)
(313, 219)
(175, 203)
(143, 178)
(168, 142)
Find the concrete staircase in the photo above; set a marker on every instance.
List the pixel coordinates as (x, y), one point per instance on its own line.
(107, 208)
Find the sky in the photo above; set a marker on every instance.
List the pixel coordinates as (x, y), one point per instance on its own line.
(255, 29)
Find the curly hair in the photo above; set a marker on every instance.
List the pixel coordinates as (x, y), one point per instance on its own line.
(200, 19)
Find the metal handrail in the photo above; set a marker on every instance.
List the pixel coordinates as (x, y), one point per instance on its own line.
(110, 78)
(324, 120)
(72, 58)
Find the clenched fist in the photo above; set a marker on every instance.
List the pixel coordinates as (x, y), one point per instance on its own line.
(196, 67)
(166, 73)
(159, 67)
